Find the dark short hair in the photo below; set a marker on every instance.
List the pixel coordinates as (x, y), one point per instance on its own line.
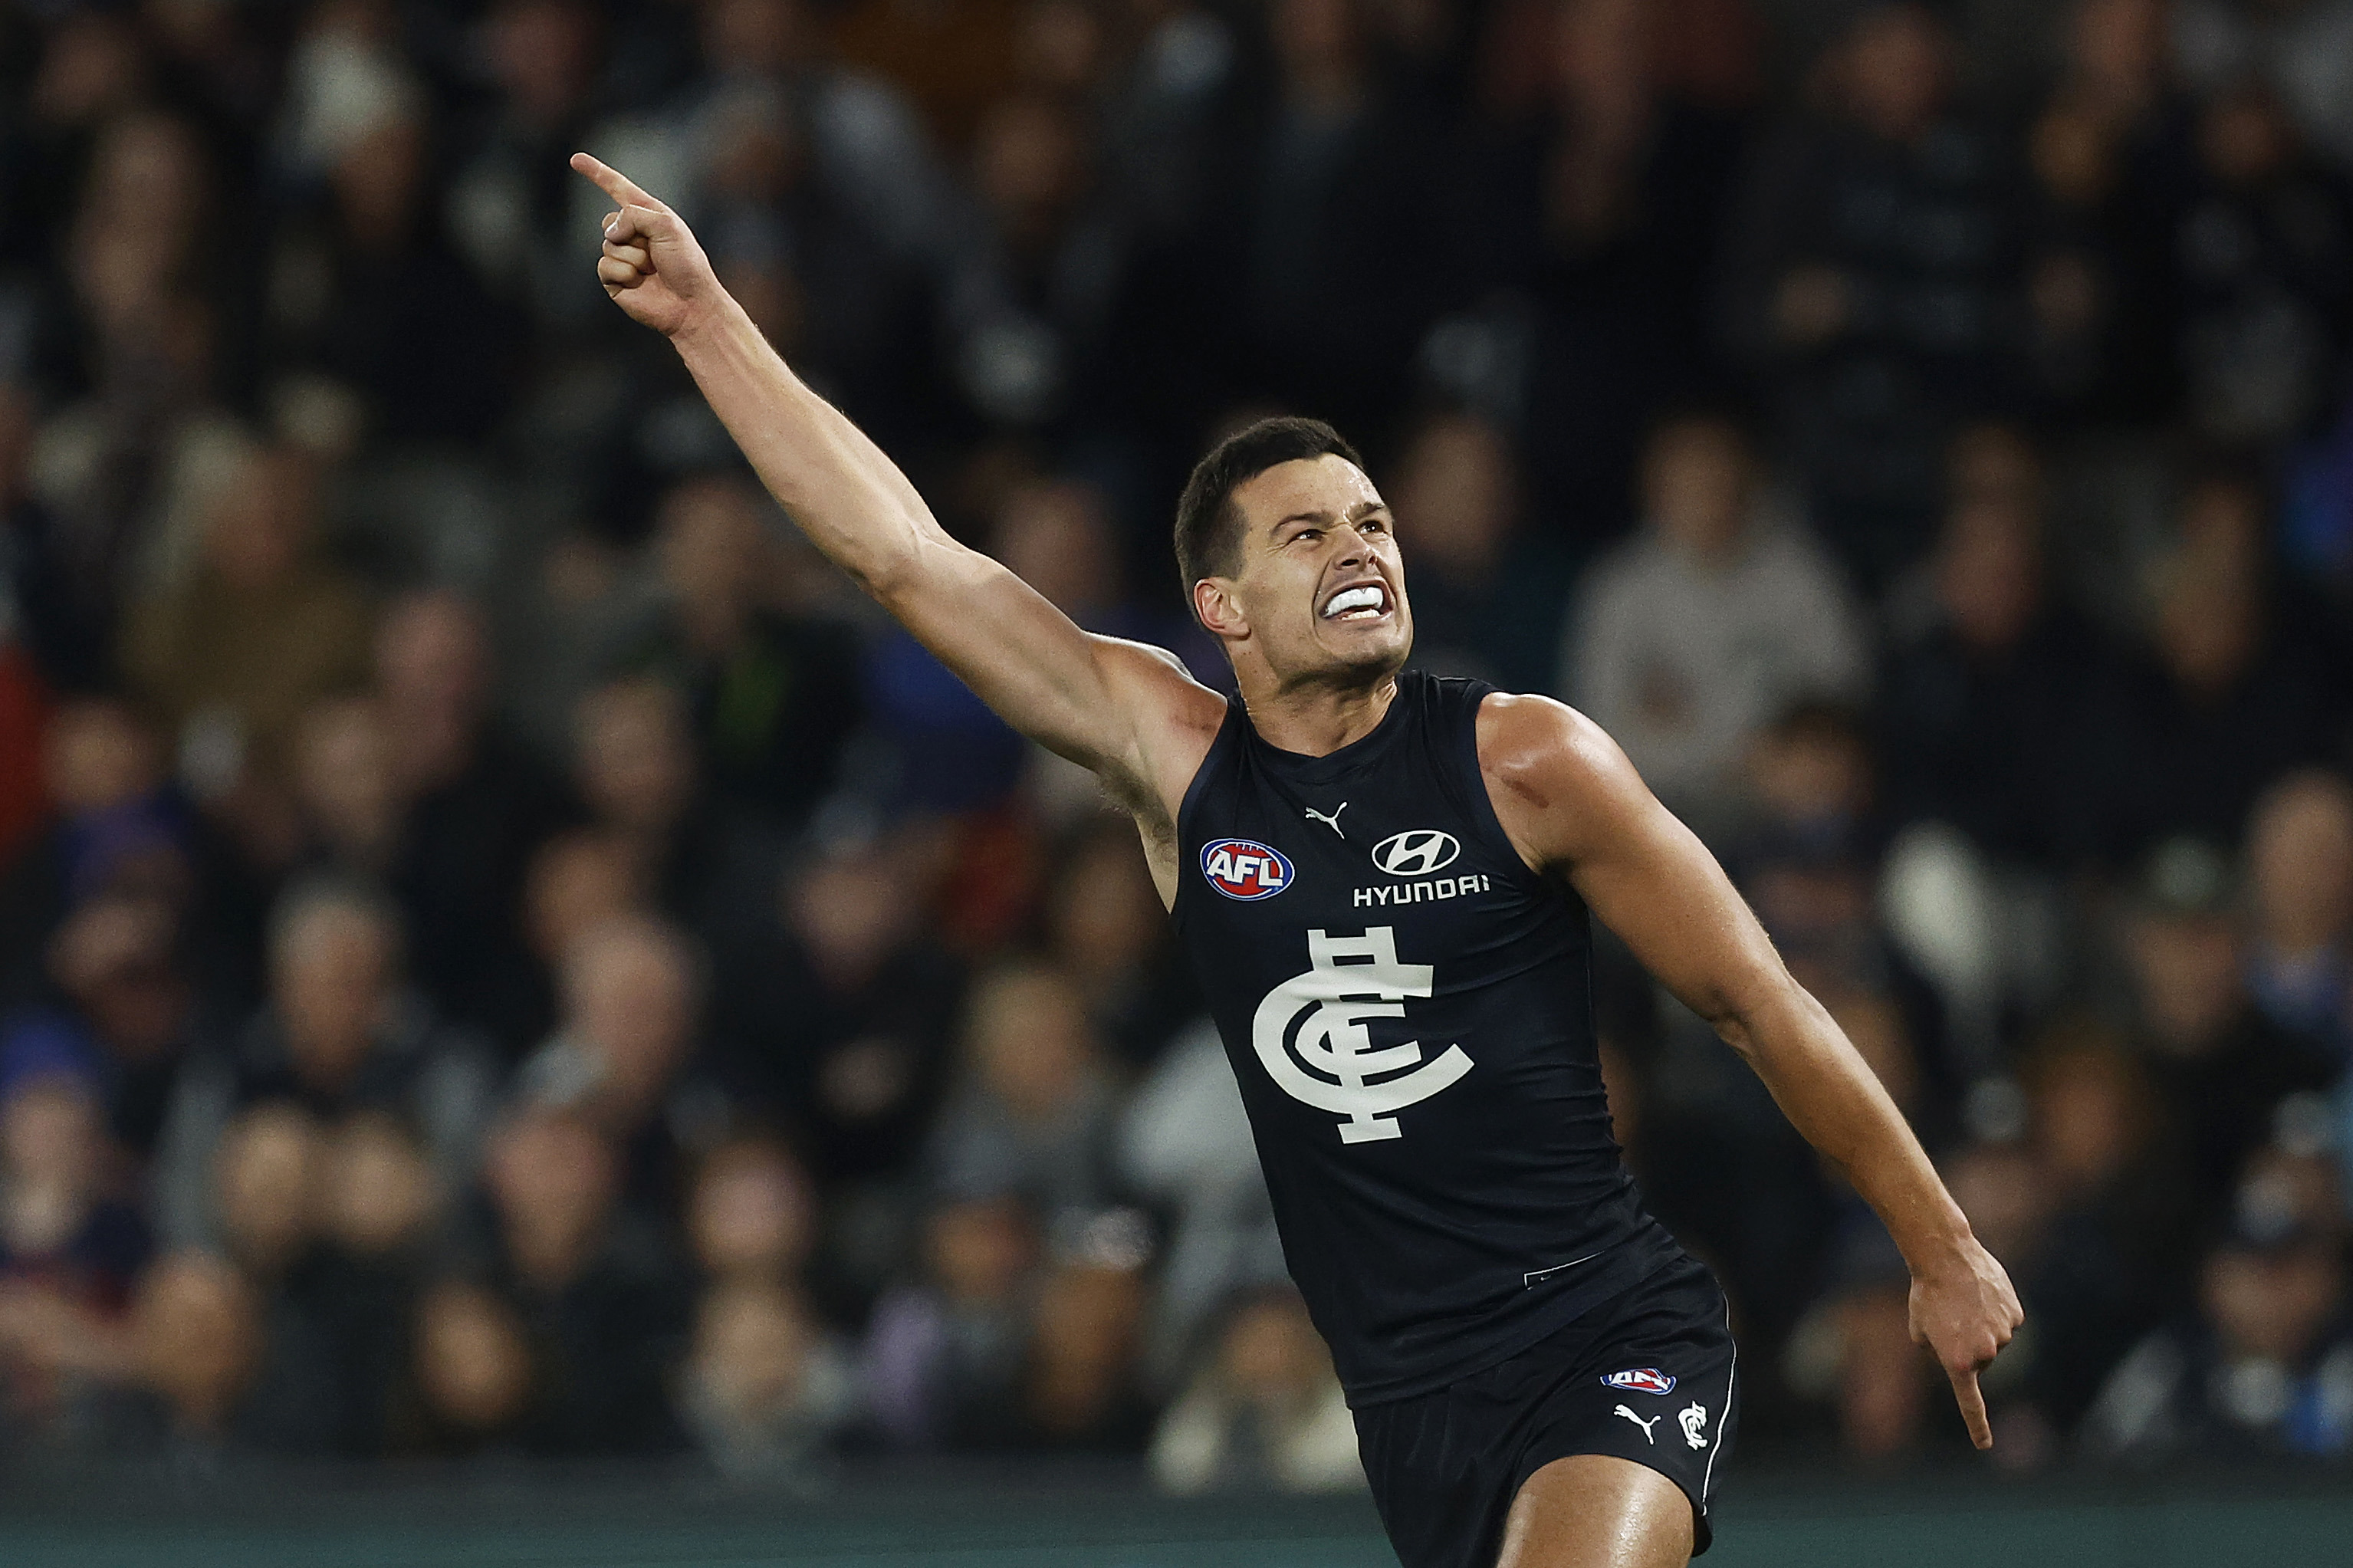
(1209, 529)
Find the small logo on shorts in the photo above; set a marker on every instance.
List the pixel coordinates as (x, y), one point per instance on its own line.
(1647, 1435)
(1693, 1418)
(1642, 1380)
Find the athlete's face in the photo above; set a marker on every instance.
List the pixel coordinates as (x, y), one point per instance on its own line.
(1320, 590)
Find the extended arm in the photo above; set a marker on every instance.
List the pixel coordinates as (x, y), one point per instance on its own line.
(1572, 801)
(1117, 707)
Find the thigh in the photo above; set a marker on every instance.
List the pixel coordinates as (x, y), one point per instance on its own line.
(1596, 1510)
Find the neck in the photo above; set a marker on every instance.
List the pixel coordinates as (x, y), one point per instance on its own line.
(1317, 719)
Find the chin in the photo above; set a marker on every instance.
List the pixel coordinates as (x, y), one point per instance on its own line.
(1375, 657)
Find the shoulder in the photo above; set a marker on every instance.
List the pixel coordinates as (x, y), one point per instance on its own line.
(1553, 775)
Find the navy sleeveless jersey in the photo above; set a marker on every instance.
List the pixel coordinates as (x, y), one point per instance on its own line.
(1409, 1011)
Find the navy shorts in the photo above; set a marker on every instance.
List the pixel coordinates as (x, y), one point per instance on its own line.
(1647, 1376)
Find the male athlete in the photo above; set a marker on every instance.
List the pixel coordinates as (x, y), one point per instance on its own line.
(1382, 880)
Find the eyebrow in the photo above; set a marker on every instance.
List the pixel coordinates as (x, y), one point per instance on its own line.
(1360, 510)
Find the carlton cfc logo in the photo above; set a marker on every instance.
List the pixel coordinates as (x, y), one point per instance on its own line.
(1242, 868)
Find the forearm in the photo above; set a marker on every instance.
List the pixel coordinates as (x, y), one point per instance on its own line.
(1835, 1101)
(840, 488)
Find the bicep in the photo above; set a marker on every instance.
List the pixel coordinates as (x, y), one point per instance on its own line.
(1586, 811)
(1658, 888)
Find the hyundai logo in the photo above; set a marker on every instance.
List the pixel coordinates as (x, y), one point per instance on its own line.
(1416, 853)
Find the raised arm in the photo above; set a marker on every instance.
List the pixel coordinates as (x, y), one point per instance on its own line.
(1129, 712)
(1572, 802)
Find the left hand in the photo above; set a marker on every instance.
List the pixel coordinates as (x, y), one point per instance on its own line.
(1965, 1310)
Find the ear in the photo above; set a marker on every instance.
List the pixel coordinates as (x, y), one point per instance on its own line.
(1213, 602)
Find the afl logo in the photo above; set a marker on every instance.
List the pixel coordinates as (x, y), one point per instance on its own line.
(1239, 868)
(1416, 852)
(1642, 1380)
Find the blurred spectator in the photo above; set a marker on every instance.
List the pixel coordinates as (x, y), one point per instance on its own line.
(303, 1390)
(1105, 929)
(637, 770)
(343, 786)
(631, 996)
(2302, 50)
(2220, 701)
(117, 959)
(2106, 155)
(751, 1217)
(1264, 1411)
(950, 60)
(339, 1034)
(2300, 881)
(764, 1389)
(2264, 306)
(1606, 208)
(2221, 1065)
(592, 1283)
(380, 1204)
(64, 626)
(1185, 1143)
(1703, 628)
(943, 1357)
(773, 693)
(1037, 270)
(1313, 301)
(511, 209)
(470, 803)
(367, 291)
(70, 1249)
(1985, 688)
(575, 883)
(1873, 277)
(1033, 1117)
(2265, 1368)
(1486, 594)
(259, 628)
(472, 1381)
(1082, 1390)
(2098, 1241)
(196, 1338)
(112, 828)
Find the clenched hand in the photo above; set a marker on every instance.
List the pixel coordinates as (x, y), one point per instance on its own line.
(1966, 1312)
(653, 267)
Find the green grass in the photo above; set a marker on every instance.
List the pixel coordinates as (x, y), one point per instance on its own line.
(1031, 1517)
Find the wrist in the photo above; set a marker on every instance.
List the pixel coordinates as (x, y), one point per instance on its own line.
(704, 320)
(1948, 1249)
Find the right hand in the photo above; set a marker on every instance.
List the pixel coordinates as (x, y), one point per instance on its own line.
(653, 267)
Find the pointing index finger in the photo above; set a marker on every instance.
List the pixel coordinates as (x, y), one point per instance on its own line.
(1973, 1407)
(611, 181)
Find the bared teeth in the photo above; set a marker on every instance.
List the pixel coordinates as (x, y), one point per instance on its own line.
(1368, 598)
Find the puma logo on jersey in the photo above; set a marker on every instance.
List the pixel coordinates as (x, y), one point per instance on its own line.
(1694, 1417)
(1332, 822)
(1310, 1035)
(1647, 1435)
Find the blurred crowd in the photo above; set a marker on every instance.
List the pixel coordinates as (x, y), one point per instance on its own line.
(502, 953)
